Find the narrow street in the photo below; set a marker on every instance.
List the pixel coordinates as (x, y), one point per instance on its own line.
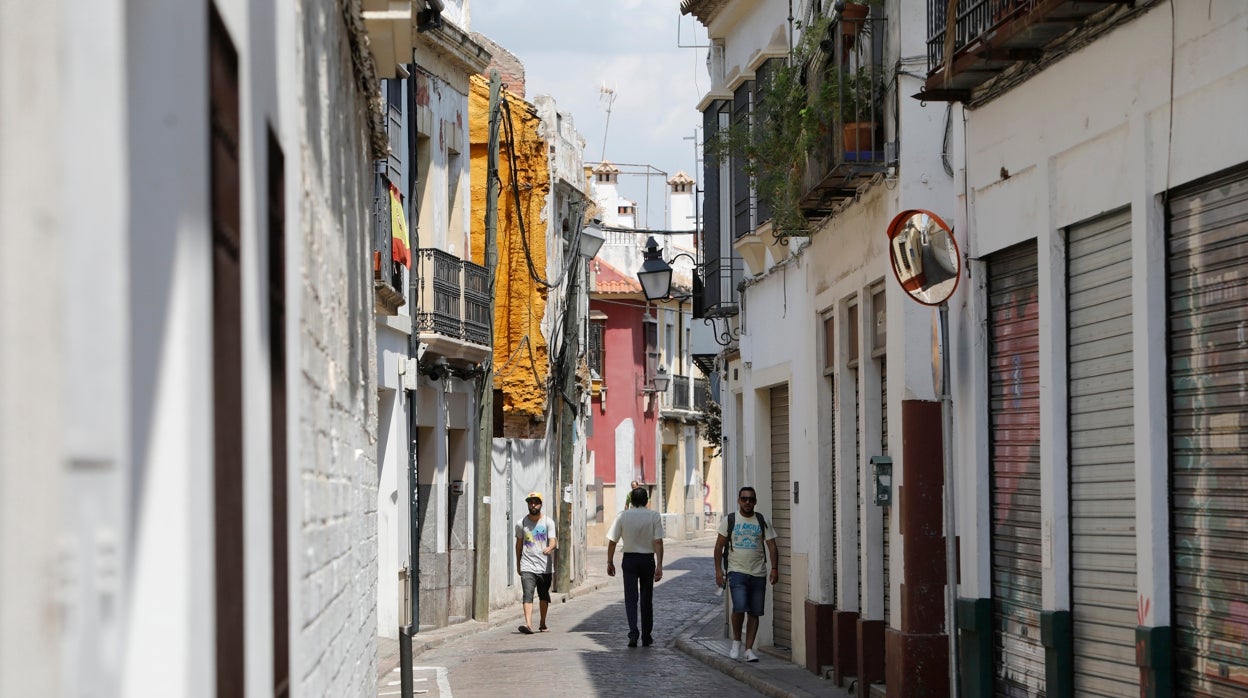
(585, 653)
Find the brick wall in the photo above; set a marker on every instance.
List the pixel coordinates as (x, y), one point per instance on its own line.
(334, 646)
(510, 69)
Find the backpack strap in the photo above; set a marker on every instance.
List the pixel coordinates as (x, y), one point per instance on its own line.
(732, 522)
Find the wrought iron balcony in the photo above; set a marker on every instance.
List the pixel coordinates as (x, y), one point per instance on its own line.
(476, 304)
(686, 394)
(991, 36)
(848, 73)
(454, 298)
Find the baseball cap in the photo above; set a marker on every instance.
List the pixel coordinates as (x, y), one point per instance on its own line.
(533, 495)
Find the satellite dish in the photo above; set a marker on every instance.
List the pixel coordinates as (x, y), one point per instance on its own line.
(925, 256)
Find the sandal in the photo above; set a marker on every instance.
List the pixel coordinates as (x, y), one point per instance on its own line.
(543, 628)
(526, 630)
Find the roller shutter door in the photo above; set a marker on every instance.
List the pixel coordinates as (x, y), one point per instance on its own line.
(859, 492)
(1208, 308)
(1102, 457)
(1014, 411)
(884, 452)
(780, 517)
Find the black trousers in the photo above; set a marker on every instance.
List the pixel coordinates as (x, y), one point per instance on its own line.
(638, 571)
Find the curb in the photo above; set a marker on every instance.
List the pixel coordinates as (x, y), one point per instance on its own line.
(764, 681)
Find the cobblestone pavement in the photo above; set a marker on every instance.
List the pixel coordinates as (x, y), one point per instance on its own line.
(585, 653)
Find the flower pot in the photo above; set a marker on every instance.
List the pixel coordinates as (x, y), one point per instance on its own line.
(852, 16)
(857, 136)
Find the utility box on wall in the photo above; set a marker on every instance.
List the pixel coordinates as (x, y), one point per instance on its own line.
(882, 474)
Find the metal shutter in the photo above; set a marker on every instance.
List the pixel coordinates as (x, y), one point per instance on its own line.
(859, 492)
(1014, 470)
(1102, 457)
(781, 519)
(884, 452)
(1208, 307)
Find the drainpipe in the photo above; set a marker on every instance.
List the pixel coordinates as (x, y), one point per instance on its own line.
(406, 632)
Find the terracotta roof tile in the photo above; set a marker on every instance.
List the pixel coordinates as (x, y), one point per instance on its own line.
(612, 280)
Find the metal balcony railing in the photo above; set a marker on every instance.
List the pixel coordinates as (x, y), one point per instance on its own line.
(687, 393)
(454, 297)
(847, 71)
(990, 36)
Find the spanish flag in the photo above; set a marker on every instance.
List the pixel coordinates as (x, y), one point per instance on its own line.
(399, 249)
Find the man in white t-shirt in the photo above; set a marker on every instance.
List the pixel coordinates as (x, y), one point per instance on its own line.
(746, 568)
(639, 531)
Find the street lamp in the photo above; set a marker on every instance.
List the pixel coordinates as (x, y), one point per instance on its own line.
(655, 274)
(658, 384)
(591, 240)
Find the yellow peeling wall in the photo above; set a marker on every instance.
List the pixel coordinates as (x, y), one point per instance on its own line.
(520, 302)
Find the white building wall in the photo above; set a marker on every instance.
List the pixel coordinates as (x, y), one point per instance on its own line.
(1128, 141)
(781, 342)
(112, 524)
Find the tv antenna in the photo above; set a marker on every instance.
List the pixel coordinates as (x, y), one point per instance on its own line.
(606, 94)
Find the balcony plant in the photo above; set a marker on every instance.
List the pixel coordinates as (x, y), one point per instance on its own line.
(789, 121)
(856, 92)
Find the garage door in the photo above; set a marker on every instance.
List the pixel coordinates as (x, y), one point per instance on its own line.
(1014, 410)
(1208, 305)
(1102, 457)
(780, 517)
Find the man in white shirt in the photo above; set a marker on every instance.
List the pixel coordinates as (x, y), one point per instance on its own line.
(639, 531)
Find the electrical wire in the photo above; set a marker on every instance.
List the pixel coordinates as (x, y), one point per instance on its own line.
(571, 254)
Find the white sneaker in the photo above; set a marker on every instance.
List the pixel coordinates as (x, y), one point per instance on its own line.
(750, 656)
(736, 649)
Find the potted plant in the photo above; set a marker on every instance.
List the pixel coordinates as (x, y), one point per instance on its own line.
(856, 92)
(852, 18)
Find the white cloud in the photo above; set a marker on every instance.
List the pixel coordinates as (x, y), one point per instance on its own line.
(570, 48)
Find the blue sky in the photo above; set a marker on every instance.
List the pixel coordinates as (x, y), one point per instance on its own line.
(571, 49)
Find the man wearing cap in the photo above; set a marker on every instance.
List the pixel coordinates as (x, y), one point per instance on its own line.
(535, 541)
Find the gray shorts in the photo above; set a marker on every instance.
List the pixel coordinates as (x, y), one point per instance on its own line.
(532, 580)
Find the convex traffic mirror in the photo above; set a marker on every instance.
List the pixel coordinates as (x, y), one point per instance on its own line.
(925, 256)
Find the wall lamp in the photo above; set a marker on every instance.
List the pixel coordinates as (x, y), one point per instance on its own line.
(658, 384)
(655, 274)
(590, 240)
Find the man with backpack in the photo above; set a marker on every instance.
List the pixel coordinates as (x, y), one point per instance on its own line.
(740, 545)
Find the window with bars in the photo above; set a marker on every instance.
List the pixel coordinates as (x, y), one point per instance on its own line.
(595, 350)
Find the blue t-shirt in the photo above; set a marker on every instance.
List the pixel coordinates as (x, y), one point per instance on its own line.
(536, 536)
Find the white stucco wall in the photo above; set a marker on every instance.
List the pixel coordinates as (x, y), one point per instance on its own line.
(1090, 134)
(844, 262)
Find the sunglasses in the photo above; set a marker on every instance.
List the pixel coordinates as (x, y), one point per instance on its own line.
(750, 500)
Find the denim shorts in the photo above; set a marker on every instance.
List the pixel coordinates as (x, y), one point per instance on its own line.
(532, 580)
(749, 593)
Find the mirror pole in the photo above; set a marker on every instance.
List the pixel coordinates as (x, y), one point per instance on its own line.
(951, 560)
